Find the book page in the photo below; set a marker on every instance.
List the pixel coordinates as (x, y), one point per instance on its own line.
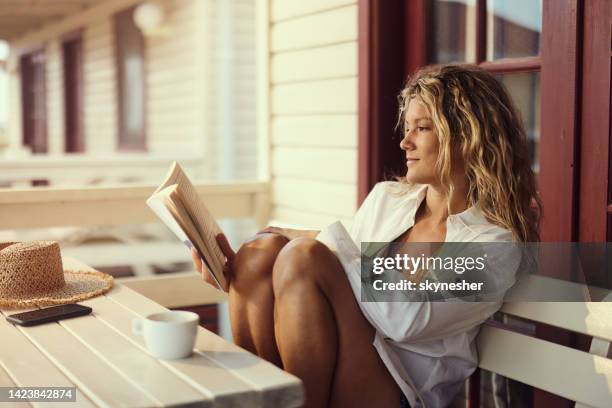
(168, 206)
(156, 204)
(204, 222)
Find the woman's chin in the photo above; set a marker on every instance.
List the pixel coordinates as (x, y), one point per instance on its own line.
(413, 178)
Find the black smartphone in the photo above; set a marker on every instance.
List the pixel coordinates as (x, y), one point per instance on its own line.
(49, 314)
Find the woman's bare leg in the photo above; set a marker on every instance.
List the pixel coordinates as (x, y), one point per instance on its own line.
(322, 336)
(251, 300)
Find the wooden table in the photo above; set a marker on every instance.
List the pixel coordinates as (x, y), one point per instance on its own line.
(110, 366)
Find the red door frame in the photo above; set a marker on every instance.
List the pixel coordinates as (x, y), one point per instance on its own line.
(559, 119)
(381, 75)
(595, 200)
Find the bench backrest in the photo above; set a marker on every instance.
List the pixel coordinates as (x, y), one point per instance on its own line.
(573, 374)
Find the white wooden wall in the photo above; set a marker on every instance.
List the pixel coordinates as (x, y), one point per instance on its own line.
(100, 88)
(313, 110)
(200, 82)
(172, 70)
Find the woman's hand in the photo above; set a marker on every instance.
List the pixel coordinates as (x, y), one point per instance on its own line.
(289, 233)
(230, 255)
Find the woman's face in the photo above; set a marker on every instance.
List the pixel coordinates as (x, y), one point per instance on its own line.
(421, 144)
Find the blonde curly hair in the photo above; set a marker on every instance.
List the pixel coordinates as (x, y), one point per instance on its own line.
(473, 113)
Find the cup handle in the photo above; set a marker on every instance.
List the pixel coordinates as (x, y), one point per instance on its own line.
(137, 326)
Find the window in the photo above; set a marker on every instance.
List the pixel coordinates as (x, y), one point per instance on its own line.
(130, 81)
(73, 94)
(34, 101)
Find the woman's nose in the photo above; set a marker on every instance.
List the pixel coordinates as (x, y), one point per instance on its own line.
(406, 143)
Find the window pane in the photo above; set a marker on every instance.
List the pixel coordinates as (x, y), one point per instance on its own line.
(131, 86)
(525, 91)
(452, 31)
(513, 28)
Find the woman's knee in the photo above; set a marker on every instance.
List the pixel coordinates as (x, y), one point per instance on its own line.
(302, 258)
(255, 258)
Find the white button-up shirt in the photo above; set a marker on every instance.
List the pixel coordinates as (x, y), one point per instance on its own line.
(428, 347)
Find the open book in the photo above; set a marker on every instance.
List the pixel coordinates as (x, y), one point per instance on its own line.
(177, 204)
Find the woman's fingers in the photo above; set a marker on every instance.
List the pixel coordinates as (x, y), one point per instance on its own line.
(197, 261)
(229, 253)
(209, 279)
(225, 246)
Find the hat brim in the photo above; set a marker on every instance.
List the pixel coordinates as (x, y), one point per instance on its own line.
(80, 285)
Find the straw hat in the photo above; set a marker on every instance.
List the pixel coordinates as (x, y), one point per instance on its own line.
(32, 275)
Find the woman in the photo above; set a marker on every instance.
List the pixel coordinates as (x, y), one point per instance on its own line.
(294, 302)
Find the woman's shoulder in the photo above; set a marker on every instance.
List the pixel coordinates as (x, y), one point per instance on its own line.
(396, 189)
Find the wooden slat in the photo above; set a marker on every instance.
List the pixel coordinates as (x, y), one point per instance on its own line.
(335, 26)
(325, 96)
(336, 165)
(295, 218)
(125, 253)
(589, 318)
(221, 386)
(187, 289)
(332, 61)
(28, 367)
(307, 194)
(281, 10)
(315, 131)
(153, 377)
(6, 381)
(563, 371)
(86, 206)
(114, 166)
(92, 375)
(278, 389)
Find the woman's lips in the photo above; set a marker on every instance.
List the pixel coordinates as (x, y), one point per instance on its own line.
(411, 161)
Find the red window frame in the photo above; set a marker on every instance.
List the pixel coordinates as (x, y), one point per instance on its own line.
(72, 56)
(33, 74)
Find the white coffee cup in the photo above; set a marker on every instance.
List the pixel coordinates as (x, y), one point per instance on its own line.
(168, 335)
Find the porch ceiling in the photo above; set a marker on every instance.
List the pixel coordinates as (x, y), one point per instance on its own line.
(19, 16)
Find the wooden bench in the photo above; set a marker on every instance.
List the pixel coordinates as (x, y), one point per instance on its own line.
(573, 374)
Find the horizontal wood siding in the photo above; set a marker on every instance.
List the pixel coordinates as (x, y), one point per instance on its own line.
(172, 103)
(313, 118)
(100, 89)
(315, 30)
